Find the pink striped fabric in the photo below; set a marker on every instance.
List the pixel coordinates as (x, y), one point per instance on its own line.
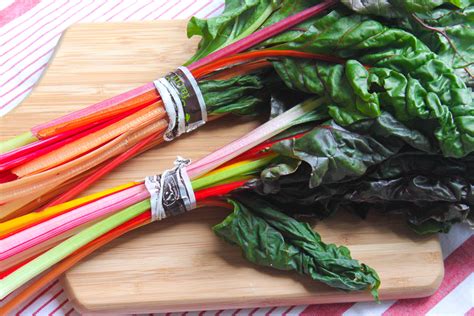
(29, 31)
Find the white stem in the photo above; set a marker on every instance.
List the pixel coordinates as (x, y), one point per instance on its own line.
(250, 140)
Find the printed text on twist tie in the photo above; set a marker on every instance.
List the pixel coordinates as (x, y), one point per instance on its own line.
(171, 193)
(183, 101)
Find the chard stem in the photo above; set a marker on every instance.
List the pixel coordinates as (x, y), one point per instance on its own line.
(255, 137)
(263, 34)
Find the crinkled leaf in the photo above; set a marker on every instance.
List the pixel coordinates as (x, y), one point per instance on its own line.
(449, 32)
(270, 238)
(432, 191)
(336, 154)
(387, 8)
(427, 164)
(437, 217)
(386, 127)
(405, 78)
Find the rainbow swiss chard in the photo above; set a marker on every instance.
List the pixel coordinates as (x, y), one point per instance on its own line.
(390, 129)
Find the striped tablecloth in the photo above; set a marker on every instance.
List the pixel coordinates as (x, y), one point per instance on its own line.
(29, 32)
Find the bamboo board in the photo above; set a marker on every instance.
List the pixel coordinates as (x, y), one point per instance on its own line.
(178, 264)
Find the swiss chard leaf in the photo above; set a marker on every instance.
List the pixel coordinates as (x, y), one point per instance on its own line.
(242, 95)
(448, 32)
(432, 191)
(239, 19)
(270, 238)
(387, 8)
(405, 78)
(429, 203)
(336, 154)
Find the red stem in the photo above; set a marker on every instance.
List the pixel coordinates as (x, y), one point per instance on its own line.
(257, 151)
(218, 190)
(7, 176)
(260, 54)
(10, 270)
(215, 202)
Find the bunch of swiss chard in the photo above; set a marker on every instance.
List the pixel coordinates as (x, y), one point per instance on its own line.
(384, 63)
(56, 160)
(386, 125)
(364, 61)
(395, 133)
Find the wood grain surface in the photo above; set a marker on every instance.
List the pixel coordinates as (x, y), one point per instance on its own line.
(178, 264)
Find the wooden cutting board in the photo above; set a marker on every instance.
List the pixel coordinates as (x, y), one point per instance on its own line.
(178, 264)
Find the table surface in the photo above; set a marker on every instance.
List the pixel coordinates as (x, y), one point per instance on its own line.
(30, 30)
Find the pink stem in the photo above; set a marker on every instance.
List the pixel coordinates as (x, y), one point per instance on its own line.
(27, 149)
(95, 107)
(250, 140)
(263, 34)
(39, 152)
(60, 224)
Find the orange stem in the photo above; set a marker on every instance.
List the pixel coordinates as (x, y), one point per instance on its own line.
(83, 145)
(148, 97)
(239, 70)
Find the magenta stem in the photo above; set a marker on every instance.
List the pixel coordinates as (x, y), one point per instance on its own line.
(263, 34)
(95, 107)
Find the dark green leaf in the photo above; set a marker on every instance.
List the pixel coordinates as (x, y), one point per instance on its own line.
(335, 154)
(441, 104)
(405, 78)
(270, 238)
(241, 95)
(433, 192)
(387, 8)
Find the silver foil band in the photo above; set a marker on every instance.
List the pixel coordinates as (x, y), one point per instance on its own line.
(183, 102)
(171, 193)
